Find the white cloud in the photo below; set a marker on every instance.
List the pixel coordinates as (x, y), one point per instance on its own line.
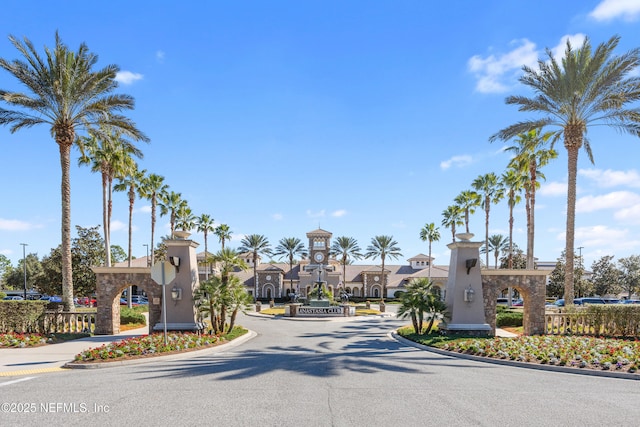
(118, 225)
(614, 200)
(277, 216)
(597, 235)
(16, 225)
(493, 70)
(6, 251)
(339, 213)
(237, 237)
(553, 189)
(629, 214)
(607, 10)
(457, 161)
(318, 214)
(610, 178)
(127, 77)
(144, 209)
(160, 56)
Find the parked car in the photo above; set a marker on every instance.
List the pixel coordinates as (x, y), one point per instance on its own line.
(589, 300)
(630, 301)
(13, 298)
(123, 301)
(139, 299)
(86, 301)
(517, 303)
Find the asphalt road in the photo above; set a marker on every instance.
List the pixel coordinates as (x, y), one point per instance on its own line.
(310, 373)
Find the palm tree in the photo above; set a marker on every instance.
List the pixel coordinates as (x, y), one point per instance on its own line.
(383, 247)
(586, 89)
(129, 182)
(170, 203)
(468, 201)
(452, 217)
(530, 156)
(152, 186)
(204, 224)
(290, 247)
(512, 182)
(420, 299)
(256, 244)
(70, 96)
(223, 232)
(489, 186)
(111, 157)
(497, 244)
(347, 249)
(185, 219)
(430, 233)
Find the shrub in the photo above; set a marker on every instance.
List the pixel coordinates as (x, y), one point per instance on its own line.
(20, 316)
(509, 318)
(129, 315)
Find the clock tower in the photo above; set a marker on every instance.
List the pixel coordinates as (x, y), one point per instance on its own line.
(319, 245)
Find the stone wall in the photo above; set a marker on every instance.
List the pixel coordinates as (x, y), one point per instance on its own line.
(531, 284)
(110, 282)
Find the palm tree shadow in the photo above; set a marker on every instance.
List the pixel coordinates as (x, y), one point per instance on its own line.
(372, 353)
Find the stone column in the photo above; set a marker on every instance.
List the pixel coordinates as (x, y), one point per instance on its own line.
(464, 297)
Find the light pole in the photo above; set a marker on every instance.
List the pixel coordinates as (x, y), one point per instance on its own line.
(24, 265)
(147, 245)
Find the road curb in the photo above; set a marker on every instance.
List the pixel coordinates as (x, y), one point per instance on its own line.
(169, 357)
(514, 363)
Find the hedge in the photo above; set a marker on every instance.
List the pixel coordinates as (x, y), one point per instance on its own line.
(20, 316)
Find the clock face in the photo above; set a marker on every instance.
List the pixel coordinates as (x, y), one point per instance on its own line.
(319, 256)
(268, 277)
(376, 278)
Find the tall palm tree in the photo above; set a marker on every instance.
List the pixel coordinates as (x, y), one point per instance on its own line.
(170, 203)
(430, 233)
(497, 244)
(530, 156)
(68, 95)
(587, 88)
(204, 224)
(290, 247)
(111, 157)
(223, 232)
(468, 201)
(152, 186)
(452, 217)
(256, 244)
(492, 192)
(129, 182)
(512, 182)
(347, 249)
(383, 247)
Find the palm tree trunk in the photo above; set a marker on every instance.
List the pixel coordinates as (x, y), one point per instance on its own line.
(105, 221)
(132, 199)
(206, 257)
(232, 321)
(487, 206)
(511, 203)
(527, 198)
(153, 227)
(255, 275)
(429, 259)
(65, 187)
(384, 282)
(572, 144)
(531, 239)
(109, 212)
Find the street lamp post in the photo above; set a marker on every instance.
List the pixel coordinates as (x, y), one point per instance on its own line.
(24, 265)
(147, 246)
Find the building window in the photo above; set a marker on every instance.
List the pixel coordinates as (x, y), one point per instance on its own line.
(318, 244)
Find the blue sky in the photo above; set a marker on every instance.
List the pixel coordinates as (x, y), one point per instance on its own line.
(361, 117)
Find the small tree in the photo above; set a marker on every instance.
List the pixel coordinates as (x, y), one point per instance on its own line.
(419, 300)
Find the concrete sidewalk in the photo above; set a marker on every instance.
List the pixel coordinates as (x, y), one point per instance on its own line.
(51, 358)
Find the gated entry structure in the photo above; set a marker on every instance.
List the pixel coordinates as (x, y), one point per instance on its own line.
(110, 282)
(532, 286)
